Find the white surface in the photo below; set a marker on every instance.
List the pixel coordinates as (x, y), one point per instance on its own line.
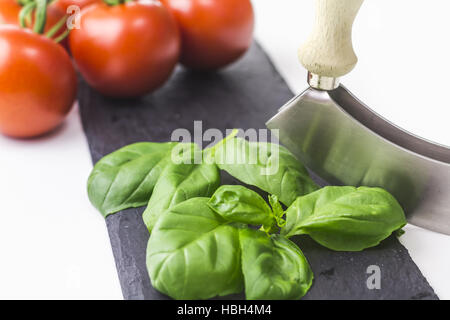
(53, 244)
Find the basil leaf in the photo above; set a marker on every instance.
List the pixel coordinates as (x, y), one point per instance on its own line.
(345, 218)
(239, 204)
(274, 268)
(177, 183)
(277, 210)
(126, 177)
(270, 167)
(193, 253)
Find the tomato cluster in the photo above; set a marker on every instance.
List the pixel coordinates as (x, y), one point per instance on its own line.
(122, 48)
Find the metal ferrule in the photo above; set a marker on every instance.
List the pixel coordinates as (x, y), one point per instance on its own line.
(322, 83)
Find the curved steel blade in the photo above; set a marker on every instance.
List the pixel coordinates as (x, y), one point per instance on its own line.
(344, 142)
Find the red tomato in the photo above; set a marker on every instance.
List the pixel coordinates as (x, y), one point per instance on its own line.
(126, 50)
(214, 33)
(10, 9)
(64, 4)
(37, 83)
(9, 12)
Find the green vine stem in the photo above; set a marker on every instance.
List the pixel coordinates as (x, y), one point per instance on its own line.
(56, 27)
(116, 2)
(24, 2)
(62, 36)
(25, 13)
(40, 16)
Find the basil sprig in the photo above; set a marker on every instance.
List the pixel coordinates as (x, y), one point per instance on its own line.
(345, 218)
(203, 240)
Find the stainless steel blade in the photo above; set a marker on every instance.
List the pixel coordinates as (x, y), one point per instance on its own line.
(345, 142)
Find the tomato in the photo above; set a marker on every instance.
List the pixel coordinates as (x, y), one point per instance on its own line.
(9, 12)
(10, 9)
(37, 83)
(64, 4)
(126, 50)
(214, 33)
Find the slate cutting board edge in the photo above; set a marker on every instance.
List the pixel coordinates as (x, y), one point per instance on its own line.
(254, 88)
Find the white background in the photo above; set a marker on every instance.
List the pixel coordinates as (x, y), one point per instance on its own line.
(53, 244)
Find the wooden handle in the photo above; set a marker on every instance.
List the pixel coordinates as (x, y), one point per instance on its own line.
(329, 50)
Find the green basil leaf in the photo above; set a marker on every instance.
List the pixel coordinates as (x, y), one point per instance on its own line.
(345, 218)
(179, 182)
(193, 253)
(270, 167)
(126, 177)
(239, 204)
(277, 210)
(274, 268)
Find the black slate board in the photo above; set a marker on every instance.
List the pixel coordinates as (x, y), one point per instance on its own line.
(242, 96)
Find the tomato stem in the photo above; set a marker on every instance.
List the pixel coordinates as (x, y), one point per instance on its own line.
(25, 13)
(56, 27)
(62, 36)
(40, 16)
(116, 2)
(112, 2)
(24, 2)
